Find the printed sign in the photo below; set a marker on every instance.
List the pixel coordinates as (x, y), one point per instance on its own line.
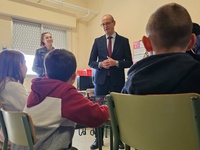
(139, 51)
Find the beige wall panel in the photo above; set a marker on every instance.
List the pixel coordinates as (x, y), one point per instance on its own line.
(5, 31)
(27, 12)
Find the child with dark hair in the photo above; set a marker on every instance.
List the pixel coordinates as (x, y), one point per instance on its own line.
(56, 106)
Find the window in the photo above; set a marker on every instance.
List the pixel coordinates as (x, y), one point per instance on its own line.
(26, 38)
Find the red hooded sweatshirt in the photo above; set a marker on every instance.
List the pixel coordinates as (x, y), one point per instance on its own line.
(74, 106)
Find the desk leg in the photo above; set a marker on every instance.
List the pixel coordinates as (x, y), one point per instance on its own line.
(99, 138)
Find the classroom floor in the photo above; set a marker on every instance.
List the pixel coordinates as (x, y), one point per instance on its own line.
(83, 142)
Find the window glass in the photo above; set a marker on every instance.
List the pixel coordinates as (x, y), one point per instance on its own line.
(26, 38)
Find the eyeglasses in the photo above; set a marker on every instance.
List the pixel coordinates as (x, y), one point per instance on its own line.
(106, 24)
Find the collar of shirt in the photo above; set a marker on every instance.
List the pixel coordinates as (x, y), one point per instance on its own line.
(113, 35)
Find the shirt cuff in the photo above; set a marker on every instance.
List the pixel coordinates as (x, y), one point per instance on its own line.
(117, 63)
(99, 65)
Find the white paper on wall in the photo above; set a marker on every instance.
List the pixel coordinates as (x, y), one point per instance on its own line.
(138, 51)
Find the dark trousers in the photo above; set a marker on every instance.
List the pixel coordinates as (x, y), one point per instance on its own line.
(105, 89)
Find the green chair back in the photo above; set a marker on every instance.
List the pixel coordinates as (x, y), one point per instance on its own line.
(155, 122)
(18, 128)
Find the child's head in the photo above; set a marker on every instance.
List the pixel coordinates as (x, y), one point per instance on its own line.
(60, 64)
(12, 65)
(169, 29)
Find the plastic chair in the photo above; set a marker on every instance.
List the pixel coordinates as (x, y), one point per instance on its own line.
(155, 122)
(18, 128)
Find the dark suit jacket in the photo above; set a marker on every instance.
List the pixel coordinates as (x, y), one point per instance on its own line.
(121, 52)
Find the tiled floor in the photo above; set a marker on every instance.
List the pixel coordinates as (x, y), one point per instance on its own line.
(83, 142)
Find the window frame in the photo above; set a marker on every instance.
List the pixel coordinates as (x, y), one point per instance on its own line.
(59, 36)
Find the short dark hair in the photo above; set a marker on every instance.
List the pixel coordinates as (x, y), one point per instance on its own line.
(60, 64)
(10, 61)
(170, 26)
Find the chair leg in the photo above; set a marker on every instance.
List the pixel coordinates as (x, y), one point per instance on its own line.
(99, 137)
(111, 139)
(5, 146)
(3, 126)
(127, 147)
(116, 144)
(106, 130)
(28, 132)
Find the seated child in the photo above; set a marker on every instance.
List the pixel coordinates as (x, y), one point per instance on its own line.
(56, 106)
(13, 95)
(170, 69)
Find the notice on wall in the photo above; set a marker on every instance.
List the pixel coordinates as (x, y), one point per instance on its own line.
(139, 51)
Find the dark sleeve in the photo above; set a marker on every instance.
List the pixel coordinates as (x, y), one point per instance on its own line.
(38, 64)
(129, 85)
(93, 56)
(127, 58)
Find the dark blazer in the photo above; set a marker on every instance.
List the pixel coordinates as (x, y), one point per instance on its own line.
(121, 52)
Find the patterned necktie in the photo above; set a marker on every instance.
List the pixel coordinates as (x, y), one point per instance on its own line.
(109, 46)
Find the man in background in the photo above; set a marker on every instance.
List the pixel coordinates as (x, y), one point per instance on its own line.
(109, 56)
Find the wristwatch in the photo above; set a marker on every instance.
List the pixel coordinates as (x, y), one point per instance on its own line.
(117, 63)
(99, 65)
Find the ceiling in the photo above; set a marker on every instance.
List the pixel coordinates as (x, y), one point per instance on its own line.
(83, 10)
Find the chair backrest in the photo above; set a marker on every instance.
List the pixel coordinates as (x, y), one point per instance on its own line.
(156, 122)
(18, 128)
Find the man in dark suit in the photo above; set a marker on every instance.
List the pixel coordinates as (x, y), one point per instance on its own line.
(109, 56)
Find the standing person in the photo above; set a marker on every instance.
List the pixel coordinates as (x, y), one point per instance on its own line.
(46, 43)
(56, 106)
(13, 95)
(170, 69)
(109, 56)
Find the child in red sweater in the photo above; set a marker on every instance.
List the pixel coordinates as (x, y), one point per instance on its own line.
(56, 106)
